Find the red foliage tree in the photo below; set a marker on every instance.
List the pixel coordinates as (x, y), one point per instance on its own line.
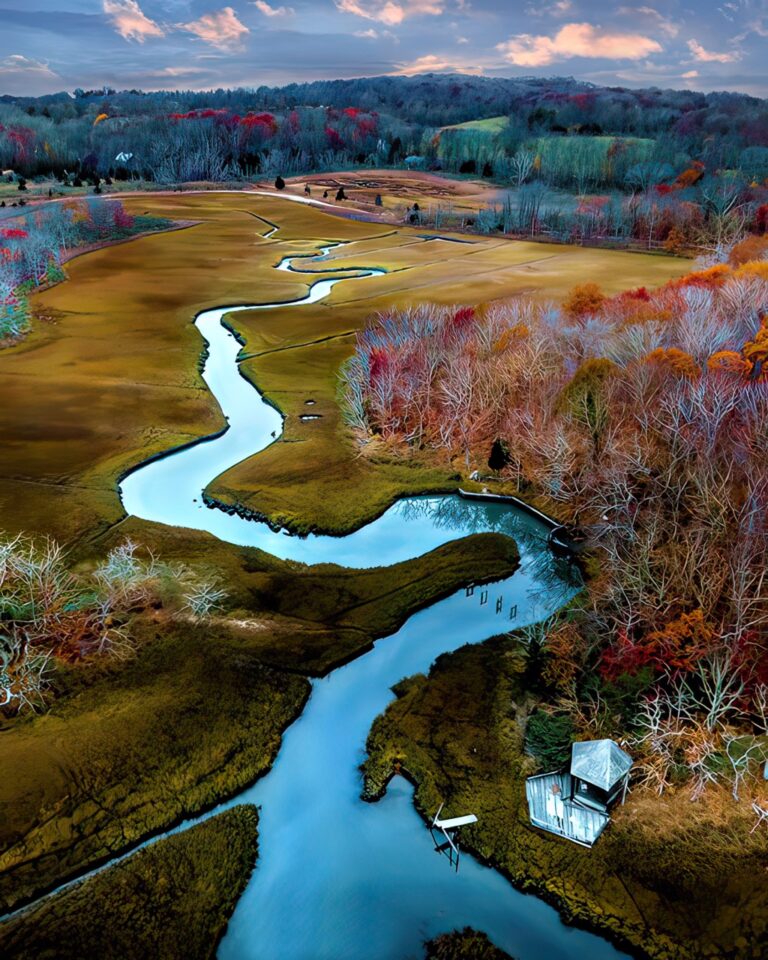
(334, 138)
(121, 218)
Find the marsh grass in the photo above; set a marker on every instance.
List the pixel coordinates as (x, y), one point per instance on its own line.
(172, 899)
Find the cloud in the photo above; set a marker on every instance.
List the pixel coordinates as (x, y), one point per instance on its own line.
(176, 72)
(16, 63)
(557, 9)
(269, 11)
(708, 56)
(391, 12)
(430, 63)
(26, 76)
(130, 21)
(690, 74)
(576, 40)
(369, 34)
(650, 18)
(221, 29)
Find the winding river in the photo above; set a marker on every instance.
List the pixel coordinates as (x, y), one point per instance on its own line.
(338, 878)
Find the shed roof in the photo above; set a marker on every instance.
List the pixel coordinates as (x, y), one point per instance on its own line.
(599, 762)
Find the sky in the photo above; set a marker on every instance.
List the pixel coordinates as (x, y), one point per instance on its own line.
(52, 45)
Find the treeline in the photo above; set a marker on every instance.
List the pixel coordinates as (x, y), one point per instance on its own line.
(578, 134)
(643, 418)
(185, 145)
(682, 216)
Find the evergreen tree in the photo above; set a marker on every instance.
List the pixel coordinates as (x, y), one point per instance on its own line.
(499, 457)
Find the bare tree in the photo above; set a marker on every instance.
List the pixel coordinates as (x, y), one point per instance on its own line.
(522, 166)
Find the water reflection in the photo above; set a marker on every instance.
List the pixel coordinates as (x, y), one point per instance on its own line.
(463, 517)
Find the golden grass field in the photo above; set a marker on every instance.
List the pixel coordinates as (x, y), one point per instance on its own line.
(109, 376)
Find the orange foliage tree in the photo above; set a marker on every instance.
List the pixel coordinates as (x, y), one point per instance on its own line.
(584, 300)
(675, 361)
(756, 351)
(728, 361)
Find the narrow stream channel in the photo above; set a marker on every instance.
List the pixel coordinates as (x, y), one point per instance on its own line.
(338, 878)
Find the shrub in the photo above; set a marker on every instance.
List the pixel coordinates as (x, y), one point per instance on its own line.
(621, 694)
(588, 380)
(752, 248)
(548, 738)
(48, 612)
(584, 396)
(204, 598)
(728, 361)
(754, 268)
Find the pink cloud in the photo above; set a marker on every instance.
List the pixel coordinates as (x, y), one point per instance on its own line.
(430, 63)
(577, 40)
(707, 56)
(391, 12)
(129, 20)
(270, 11)
(221, 29)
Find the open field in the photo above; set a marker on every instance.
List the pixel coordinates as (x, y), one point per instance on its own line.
(488, 125)
(398, 189)
(109, 376)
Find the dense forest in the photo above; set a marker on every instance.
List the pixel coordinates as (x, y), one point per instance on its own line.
(572, 134)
